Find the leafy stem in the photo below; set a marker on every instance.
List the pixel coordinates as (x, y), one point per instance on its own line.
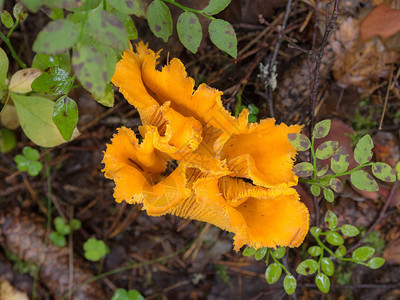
(14, 54)
(12, 29)
(189, 9)
(277, 261)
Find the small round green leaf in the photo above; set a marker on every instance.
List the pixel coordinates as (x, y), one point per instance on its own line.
(56, 37)
(349, 230)
(95, 249)
(321, 129)
(7, 19)
(76, 224)
(273, 273)
(279, 252)
(307, 267)
(223, 36)
(54, 81)
(363, 181)
(249, 251)
(363, 253)
(383, 172)
(323, 283)
(315, 190)
(315, 251)
(331, 219)
(57, 239)
(299, 141)
(336, 185)
(289, 284)
(329, 195)
(134, 295)
(120, 294)
(341, 251)
(19, 12)
(260, 253)
(30, 153)
(159, 19)
(252, 118)
(363, 150)
(322, 171)
(334, 238)
(326, 149)
(327, 266)
(340, 160)
(189, 31)
(253, 110)
(315, 231)
(376, 262)
(45, 61)
(61, 227)
(129, 7)
(216, 6)
(65, 116)
(303, 169)
(8, 141)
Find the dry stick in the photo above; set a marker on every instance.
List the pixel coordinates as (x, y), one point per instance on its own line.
(379, 219)
(330, 24)
(389, 87)
(270, 98)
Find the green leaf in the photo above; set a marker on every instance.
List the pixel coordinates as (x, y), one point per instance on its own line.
(57, 14)
(398, 170)
(76, 224)
(326, 149)
(35, 115)
(315, 231)
(61, 227)
(3, 69)
(315, 190)
(279, 252)
(129, 7)
(216, 6)
(159, 18)
(334, 238)
(65, 116)
(329, 195)
(303, 169)
(327, 266)
(122, 294)
(134, 295)
(107, 29)
(249, 251)
(315, 251)
(363, 253)
(321, 129)
(323, 283)
(349, 230)
(341, 251)
(108, 98)
(273, 273)
(260, 253)
(376, 263)
(57, 37)
(45, 61)
(8, 141)
(340, 160)
(223, 36)
(31, 153)
(189, 31)
(321, 172)
(383, 172)
(129, 25)
(7, 19)
(252, 118)
(55, 81)
(32, 5)
(95, 249)
(331, 219)
(57, 239)
(19, 12)
(289, 284)
(307, 267)
(363, 181)
(363, 150)
(336, 185)
(109, 58)
(90, 69)
(299, 141)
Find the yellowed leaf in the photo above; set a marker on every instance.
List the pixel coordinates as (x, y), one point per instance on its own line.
(9, 117)
(21, 81)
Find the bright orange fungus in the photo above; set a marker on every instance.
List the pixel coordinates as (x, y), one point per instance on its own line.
(227, 172)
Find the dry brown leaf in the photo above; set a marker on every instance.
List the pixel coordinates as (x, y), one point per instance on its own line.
(395, 4)
(359, 63)
(7, 292)
(382, 21)
(392, 252)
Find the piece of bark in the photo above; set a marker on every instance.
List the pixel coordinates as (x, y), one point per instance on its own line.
(24, 234)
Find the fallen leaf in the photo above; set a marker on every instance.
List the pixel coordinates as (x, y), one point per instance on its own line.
(382, 21)
(8, 292)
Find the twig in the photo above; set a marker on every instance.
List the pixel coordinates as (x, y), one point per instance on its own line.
(379, 219)
(13, 53)
(389, 87)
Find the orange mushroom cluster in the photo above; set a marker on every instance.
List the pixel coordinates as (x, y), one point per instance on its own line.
(197, 161)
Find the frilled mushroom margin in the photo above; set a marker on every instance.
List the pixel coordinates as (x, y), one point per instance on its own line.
(226, 171)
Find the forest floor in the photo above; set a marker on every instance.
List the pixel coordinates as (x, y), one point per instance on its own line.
(172, 258)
